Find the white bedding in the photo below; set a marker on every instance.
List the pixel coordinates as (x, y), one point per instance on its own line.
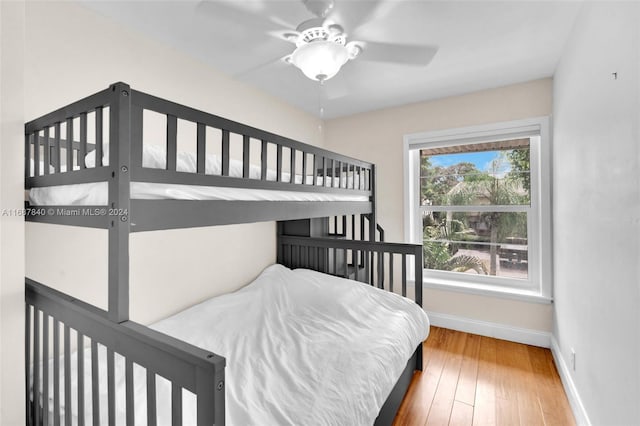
(155, 157)
(302, 348)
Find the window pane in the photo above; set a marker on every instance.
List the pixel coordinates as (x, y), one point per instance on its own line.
(492, 173)
(485, 243)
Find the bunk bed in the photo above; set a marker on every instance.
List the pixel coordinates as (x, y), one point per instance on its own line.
(86, 165)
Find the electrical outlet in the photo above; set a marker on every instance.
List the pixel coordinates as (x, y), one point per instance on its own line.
(573, 359)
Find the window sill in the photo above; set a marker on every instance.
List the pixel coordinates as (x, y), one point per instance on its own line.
(487, 290)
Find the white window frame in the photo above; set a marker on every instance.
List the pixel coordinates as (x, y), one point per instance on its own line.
(538, 285)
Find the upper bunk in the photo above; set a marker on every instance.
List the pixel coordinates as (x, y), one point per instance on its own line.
(124, 155)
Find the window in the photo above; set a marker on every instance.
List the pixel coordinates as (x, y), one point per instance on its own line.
(477, 199)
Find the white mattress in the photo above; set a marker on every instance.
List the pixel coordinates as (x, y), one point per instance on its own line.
(302, 348)
(155, 157)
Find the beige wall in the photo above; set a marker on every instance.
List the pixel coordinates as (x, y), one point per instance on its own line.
(596, 155)
(74, 52)
(378, 137)
(11, 227)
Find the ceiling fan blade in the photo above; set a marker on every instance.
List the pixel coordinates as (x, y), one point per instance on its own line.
(353, 14)
(398, 53)
(234, 15)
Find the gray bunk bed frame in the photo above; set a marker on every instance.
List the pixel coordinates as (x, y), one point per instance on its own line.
(304, 240)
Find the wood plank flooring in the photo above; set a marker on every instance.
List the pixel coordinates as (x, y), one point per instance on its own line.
(475, 380)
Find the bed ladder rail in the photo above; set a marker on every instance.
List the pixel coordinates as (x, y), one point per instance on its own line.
(379, 264)
(58, 325)
(354, 227)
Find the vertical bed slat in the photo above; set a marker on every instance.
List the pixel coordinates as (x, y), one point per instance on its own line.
(352, 171)
(345, 170)
(324, 171)
(27, 356)
(27, 156)
(356, 265)
(391, 272)
(324, 258)
(404, 275)
(345, 267)
(225, 152)
(246, 156)
(335, 261)
(206, 395)
(315, 171)
(45, 368)
(56, 372)
(95, 384)
(69, 145)
(172, 141)
(137, 115)
(176, 405)
(80, 378)
(279, 163)
(47, 151)
(82, 152)
(201, 154)
(314, 258)
(333, 173)
(381, 269)
(151, 398)
(292, 169)
(111, 391)
(128, 379)
(36, 154)
(418, 283)
(344, 226)
(355, 176)
(36, 366)
(99, 146)
(68, 415)
(263, 160)
(57, 149)
(304, 168)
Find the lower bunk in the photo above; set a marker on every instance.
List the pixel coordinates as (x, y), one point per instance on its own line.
(300, 347)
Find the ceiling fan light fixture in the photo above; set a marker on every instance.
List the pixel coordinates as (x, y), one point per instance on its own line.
(320, 60)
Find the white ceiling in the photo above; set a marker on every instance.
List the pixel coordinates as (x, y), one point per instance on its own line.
(481, 44)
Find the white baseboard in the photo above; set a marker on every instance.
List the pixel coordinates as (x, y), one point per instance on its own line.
(491, 329)
(569, 386)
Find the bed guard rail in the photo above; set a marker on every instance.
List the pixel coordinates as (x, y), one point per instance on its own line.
(379, 264)
(110, 122)
(58, 378)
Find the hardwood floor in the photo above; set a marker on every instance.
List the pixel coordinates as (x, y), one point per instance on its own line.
(475, 380)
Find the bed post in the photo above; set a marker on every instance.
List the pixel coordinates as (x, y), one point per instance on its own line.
(119, 200)
(418, 298)
(373, 221)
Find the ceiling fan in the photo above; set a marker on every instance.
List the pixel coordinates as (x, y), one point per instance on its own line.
(323, 46)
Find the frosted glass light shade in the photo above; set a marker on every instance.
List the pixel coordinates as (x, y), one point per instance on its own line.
(320, 60)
